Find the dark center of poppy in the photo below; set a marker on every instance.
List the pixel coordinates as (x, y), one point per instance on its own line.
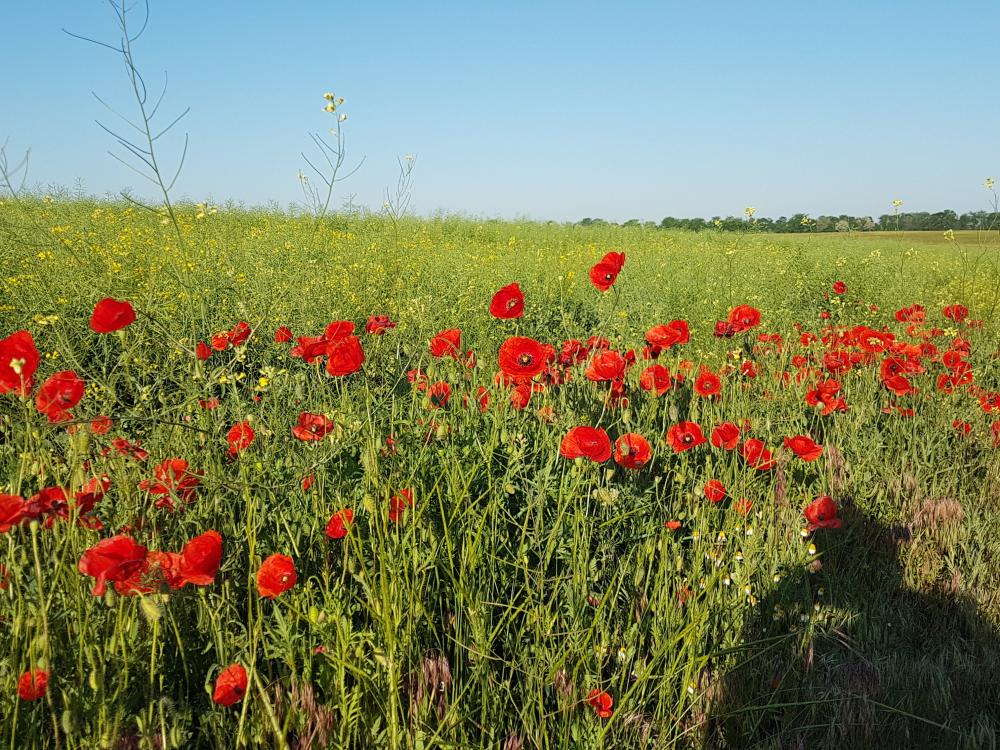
(687, 439)
(525, 359)
(609, 277)
(511, 303)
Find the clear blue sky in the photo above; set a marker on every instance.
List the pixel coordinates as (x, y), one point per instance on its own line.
(543, 109)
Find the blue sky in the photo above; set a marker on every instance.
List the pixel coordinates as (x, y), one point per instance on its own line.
(549, 110)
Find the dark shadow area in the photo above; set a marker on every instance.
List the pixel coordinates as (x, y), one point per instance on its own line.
(878, 664)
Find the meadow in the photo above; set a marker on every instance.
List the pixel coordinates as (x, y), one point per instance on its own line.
(280, 482)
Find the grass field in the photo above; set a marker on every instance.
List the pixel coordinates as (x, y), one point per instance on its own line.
(971, 238)
(500, 581)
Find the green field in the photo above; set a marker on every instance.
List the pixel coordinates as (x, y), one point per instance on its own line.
(524, 599)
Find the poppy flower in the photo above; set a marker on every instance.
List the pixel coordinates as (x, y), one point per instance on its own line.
(200, 558)
(18, 361)
(32, 684)
(508, 303)
(230, 685)
(757, 455)
(340, 523)
(743, 318)
(839, 287)
(12, 512)
(92, 492)
(672, 525)
(601, 702)
(958, 313)
(398, 504)
(714, 491)
(743, 506)
(60, 392)
(684, 436)
(276, 574)
(804, 447)
(605, 271)
(586, 442)
(521, 358)
(377, 325)
(344, 356)
(101, 425)
(656, 379)
(632, 451)
(283, 335)
(447, 344)
(307, 482)
(202, 351)
(312, 427)
(439, 394)
(912, 314)
(664, 336)
(708, 384)
(239, 437)
(114, 559)
(172, 478)
(607, 365)
(821, 513)
(111, 315)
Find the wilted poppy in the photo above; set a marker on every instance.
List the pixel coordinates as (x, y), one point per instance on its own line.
(605, 271)
(230, 685)
(276, 574)
(31, 685)
(586, 442)
(340, 523)
(111, 315)
(632, 451)
(115, 559)
(684, 436)
(821, 513)
(508, 303)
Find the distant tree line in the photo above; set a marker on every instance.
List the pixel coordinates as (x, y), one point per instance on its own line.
(909, 221)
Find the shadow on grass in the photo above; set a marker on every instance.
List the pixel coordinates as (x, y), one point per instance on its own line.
(877, 665)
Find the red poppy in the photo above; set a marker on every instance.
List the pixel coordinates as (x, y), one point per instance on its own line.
(398, 504)
(521, 358)
(276, 574)
(757, 455)
(912, 314)
(714, 491)
(743, 506)
(447, 344)
(117, 558)
(12, 512)
(744, 317)
(632, 451)
(239, 437)
(230, 685)
(607, 365)
(101, 425)
(508, 303)
(601, 702)
(821, 513)
(605, 272)
(92, 492)
(839, 287)
(58, 394)
(283, 335)
(664, 336)
(344, 356)
(684, 436)
(804, 447)
(202, 351)
(340, 523)
(18, 361)
(958, 313)
(656, 378)
(32, 684)
(586, 442)
(708, 384)
(111, 315)
(377, 325)
(672, 525)
(200, 558)
(307, 482)
(312, 427)
(172, 478)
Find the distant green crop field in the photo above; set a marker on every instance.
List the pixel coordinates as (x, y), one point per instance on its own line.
(958, 238)
(780, 532)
